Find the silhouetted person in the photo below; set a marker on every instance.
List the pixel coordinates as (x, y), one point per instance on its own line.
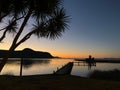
(90, 61)
(90, 56)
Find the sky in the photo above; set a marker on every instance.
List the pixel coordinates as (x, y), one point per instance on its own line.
(94, 29)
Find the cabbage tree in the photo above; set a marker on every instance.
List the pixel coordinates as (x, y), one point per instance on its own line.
(49, 20)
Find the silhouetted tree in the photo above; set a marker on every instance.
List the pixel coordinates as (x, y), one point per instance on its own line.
(48, 18)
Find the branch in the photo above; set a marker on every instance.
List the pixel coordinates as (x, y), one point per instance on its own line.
(4, 33)
(12, 22)
(2, 29)
(20, 18)
(26, 37)
(22, 27)
(3, 16)
(3, 36)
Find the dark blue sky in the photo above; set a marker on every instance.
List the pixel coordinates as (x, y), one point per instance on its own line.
(95, 24)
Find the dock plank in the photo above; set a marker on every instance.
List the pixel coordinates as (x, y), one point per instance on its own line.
(66, 69)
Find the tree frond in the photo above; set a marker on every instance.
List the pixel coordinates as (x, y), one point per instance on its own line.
(44, 8)
(18, 7)
(40, 29)
(11, 26)
(4, 8)
(54, 27)
(57, 24)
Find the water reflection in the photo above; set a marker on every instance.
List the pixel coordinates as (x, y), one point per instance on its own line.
(27, 63)
(47, 66)
(34, 66)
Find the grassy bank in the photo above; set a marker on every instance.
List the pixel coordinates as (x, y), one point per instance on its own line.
(51, 82)
(112, 75)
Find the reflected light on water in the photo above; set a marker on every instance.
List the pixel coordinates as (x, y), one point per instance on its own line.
(44, 66)
(47, 66)
(11, 68)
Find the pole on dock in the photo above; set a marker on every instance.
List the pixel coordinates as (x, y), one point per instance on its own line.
(21, 63)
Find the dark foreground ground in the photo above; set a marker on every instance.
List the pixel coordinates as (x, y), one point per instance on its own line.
(51, 82)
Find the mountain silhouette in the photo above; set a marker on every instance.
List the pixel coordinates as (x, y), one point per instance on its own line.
(26, 53)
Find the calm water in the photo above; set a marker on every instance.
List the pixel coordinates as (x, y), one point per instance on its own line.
(47, 66)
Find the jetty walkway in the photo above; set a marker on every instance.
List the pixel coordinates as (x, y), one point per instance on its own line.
(66, 69)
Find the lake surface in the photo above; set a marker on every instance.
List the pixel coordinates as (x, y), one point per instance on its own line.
(47, 66)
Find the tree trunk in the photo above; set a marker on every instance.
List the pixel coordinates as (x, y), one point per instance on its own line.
(4, 60)
(14, 43)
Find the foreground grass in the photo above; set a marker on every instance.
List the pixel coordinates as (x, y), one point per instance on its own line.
(112, 75)
(51, 82)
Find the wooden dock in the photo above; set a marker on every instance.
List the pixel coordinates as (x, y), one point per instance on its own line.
(66, 69)
(83, 63)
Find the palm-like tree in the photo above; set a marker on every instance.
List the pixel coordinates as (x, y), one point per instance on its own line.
(49, 19)
(10, 9)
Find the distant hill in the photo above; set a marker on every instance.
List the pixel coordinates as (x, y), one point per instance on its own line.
(26, 53)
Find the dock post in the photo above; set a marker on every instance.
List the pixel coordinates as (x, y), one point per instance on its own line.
(21, 63)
